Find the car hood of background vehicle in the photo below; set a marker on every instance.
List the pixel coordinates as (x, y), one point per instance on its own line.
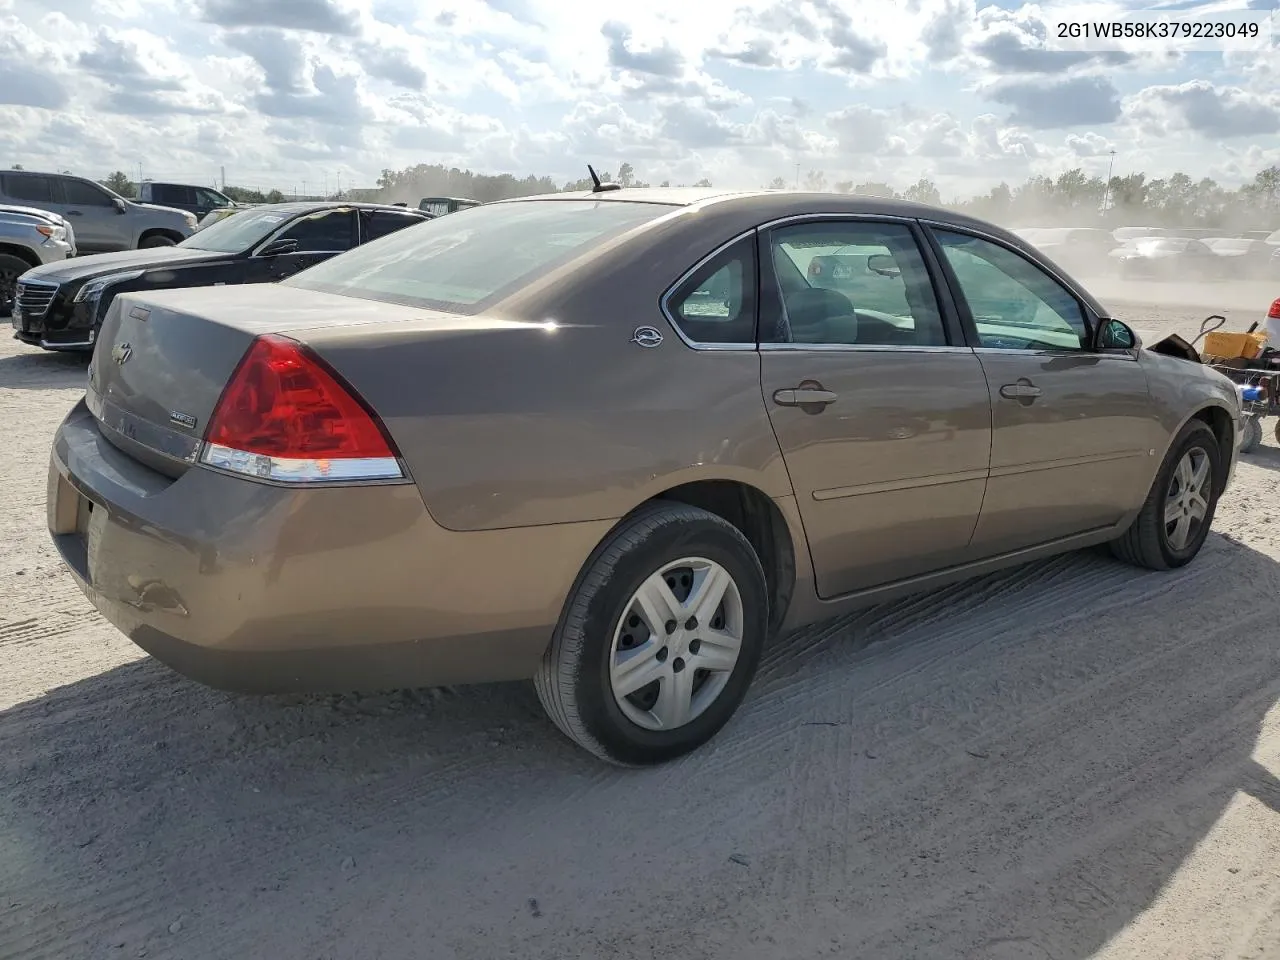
(101, 264)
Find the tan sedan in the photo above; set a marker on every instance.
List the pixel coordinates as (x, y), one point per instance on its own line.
(612, 442)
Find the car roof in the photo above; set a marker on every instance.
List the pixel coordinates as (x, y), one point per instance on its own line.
(780, 202)
(312, 206)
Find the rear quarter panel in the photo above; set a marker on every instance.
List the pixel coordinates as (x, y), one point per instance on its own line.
(544, 411)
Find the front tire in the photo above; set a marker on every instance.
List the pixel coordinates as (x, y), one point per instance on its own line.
(11, 268)
(659, 639)
(1175, 519)
(156, 241)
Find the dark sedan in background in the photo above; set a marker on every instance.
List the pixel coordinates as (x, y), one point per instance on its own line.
(60, 306)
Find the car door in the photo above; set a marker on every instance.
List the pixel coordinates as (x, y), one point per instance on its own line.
(99, 223)
(1073, 429)
(881, 412)
(319, 236)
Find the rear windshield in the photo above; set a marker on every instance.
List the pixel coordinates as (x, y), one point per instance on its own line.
(468, 259)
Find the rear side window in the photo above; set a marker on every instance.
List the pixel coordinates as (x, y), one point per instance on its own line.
(379, 223)
(326, 232)
(171, 193)
(468, 259)
(717, 304)
(35, 189)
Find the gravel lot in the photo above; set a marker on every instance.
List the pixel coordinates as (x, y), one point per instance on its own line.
(1071, 759)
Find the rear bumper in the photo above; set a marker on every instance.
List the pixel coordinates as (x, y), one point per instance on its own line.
(259, 588)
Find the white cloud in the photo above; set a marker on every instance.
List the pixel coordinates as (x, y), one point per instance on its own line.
(286, 91)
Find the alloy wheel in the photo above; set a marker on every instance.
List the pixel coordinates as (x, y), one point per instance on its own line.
(1187, 501)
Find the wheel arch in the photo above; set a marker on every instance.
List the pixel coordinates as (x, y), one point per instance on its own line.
(758, 518)
(1219, 420)
(159, 232)
(22, 253)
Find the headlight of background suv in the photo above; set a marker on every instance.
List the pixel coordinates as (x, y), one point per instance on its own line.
(93, 289)
(191, 220)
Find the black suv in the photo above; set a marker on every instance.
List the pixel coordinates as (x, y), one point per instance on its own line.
(60, 306)
(183, 196)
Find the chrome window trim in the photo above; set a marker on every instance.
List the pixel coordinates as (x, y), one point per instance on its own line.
(866, 348)
(1130, 356)
(664, 302)
(803, 217)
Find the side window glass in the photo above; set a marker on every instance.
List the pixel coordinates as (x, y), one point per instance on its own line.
(1015, 304)
(718, 303)
(82, 194)
(325, 232)
(379, 223)
(859, 283)
(34, 189)
(210, 199)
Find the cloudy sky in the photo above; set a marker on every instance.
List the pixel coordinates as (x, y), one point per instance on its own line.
(283, 92)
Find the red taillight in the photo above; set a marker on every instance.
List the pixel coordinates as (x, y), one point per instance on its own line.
(284, 415)
(1274, 312)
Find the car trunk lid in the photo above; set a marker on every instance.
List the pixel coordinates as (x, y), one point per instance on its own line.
(163, 359)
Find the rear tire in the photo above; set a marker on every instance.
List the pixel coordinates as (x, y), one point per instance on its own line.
(157, 241)
(1175, 519)
(1251, 436)
(609, 640)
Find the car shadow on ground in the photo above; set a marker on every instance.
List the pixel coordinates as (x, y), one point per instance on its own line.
(44, 370)
(1266, 456)
(1011, 767)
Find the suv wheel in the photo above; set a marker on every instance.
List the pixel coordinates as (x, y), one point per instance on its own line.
(660, 637)
(1174, 521)
(11, 268)
(156, 241)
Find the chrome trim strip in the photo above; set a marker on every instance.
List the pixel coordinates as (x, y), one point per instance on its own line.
(664, 302)
(893, 486)
(865, 348)
(1040, 465)
(802, 217)
(1032, 352)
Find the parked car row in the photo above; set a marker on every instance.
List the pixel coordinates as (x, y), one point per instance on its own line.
(104, 220)
(1159, 252)
(703, 430)
(29, 237)
(61, 306)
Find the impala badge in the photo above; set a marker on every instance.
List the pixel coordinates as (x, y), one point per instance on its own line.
(182, 419)
(646, 336)
(121, 353)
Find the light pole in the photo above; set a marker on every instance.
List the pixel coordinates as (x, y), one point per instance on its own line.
(1106, 198)
(797, 176)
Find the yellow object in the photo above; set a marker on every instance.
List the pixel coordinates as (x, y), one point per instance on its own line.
(1231, 345)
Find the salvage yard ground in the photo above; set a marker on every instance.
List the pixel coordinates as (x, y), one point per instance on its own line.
(1068, 760)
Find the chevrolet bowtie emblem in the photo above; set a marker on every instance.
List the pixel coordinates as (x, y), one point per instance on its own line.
(121, 353)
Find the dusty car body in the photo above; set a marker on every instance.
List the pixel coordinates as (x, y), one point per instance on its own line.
(612, 442)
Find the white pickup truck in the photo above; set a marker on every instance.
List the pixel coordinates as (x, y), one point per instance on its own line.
(29, 237)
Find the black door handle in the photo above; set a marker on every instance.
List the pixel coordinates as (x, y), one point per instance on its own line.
(803, 397)
(73, 213)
